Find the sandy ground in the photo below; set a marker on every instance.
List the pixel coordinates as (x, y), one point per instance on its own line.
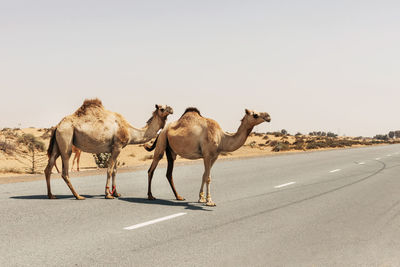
(132, 157)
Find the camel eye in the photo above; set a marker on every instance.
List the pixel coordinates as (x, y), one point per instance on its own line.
(255, 116)
(162, 110)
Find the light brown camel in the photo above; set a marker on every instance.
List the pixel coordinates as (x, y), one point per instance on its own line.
(77, 157)
(94, 129)
(194, 137)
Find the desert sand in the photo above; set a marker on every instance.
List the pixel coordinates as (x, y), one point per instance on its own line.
(15, 162)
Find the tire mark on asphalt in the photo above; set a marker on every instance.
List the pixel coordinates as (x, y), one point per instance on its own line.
(307, 198)
(305, 185)
(244, 218)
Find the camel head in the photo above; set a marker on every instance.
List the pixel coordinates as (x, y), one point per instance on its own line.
(163, 111)
(253, 118)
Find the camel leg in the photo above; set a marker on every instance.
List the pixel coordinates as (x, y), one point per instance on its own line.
(150, 173)
(52, 162)
(78, 159)
(158, 154)
(171, 156)
(73, 161)
(114, 185)
(55, 164)
(65, 175)
(64, 138)
(111, 173)
(208, 163)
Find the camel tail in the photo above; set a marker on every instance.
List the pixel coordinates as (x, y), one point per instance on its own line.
(52, 142)
(151, 148)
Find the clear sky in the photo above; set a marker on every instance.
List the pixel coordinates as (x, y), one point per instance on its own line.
(313, 65)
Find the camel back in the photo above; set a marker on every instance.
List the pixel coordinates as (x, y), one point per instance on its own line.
(88, 104)
(191, 109)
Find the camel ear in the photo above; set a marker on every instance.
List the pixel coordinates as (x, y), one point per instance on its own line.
(157, 106)
(248, 112)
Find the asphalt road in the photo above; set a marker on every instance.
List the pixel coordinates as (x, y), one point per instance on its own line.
(332, 208)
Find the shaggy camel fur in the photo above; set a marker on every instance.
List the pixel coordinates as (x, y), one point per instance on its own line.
(194, 137)
(94, 129)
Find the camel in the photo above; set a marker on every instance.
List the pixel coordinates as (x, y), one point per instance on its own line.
(94, 129)
(195, 137)
(77, 157)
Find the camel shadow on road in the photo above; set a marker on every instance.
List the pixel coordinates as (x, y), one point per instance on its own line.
(163, 202)
(185, 204)
(58, 197)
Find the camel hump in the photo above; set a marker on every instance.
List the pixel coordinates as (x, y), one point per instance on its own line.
(191, 109)
(87, 105)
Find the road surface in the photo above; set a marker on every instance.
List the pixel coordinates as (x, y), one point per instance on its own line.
(328, 208)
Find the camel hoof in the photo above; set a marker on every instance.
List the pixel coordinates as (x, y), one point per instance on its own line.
(109, 197)
(150, 197)
(202, 200)
(180, 198)
(211, 204)
(80, 198)
(116, 194)
(52, 197)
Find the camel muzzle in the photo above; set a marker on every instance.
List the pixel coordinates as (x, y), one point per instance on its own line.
(266, 117)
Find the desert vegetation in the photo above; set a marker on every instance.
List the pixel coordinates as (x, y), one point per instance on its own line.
(26, 148)
(23, 151)
(280, 141)
(101, 159)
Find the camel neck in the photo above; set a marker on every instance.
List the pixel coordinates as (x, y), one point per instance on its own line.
(145, 134)
(232, 142)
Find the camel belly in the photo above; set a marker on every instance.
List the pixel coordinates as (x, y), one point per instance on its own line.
(90, 144)
(184, 147)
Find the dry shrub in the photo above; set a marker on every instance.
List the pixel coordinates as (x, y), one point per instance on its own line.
(312, 145)
(281, 146)
(101, 159)
(47, 133)
(253, 144)
(273, 143)
(11, 170)
(147, 157)
(8, 147)
(299, 144)
(31, 142)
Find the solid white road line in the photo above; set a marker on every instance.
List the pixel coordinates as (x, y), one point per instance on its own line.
(283, 185)
(336, 170)
(154, 221)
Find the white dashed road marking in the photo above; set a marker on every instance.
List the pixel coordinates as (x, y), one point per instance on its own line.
(283, 185)
(154, 221)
